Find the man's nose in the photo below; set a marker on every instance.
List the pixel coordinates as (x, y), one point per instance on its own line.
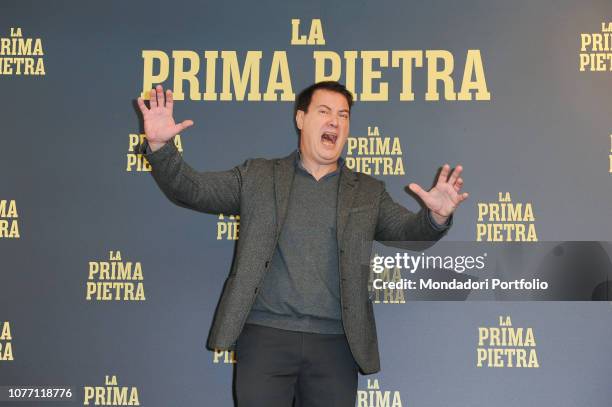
(333, 120)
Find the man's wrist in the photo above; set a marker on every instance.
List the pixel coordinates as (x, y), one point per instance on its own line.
(438, 222)
(154, 145)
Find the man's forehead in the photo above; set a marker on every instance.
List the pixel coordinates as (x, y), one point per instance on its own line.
(330, 99)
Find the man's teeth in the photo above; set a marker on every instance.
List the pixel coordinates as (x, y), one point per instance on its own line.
(330, 137)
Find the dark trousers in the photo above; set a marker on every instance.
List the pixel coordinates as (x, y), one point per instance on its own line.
(275, 365)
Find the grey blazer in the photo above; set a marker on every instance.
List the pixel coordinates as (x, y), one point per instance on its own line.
(258, 191)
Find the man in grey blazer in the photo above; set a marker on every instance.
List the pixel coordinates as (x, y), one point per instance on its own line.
(296, 305)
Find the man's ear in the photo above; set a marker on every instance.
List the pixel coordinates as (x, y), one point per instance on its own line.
(299, 119)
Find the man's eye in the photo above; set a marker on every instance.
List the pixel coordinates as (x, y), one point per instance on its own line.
(344, 116)
(323, 111)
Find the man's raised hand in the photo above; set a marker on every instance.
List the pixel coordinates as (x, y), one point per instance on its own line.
(445, 196)
(159, 124)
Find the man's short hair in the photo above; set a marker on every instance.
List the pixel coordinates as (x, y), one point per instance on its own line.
(305, 96)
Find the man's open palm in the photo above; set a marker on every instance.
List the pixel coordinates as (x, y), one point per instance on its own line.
(445, 196)
(159, 125)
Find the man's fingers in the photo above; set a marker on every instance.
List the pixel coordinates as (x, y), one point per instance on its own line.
(458, 185)
(416, 188)
(455, 174)
(444, 173)
(169, 100)
(142, 106)
(183, 125)
(152, 99)
(160, 95)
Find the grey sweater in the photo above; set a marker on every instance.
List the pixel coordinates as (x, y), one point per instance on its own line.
(301, 291)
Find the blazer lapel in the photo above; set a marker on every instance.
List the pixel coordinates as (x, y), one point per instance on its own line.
(284, 170)
(346, 193)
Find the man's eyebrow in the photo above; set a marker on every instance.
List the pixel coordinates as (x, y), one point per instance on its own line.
(327, 107)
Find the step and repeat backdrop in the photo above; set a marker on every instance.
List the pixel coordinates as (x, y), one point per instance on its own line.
(107, 289)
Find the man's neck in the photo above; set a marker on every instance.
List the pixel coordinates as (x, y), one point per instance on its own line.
(317, 170)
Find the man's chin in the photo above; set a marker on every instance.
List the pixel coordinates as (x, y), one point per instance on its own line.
(329, 158)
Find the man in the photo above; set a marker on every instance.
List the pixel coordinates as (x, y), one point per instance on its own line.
(295, 306)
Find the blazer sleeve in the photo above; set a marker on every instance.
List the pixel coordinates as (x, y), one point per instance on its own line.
(396, 223)
(211, 192)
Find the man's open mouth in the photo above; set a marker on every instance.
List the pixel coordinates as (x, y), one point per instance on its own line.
(329, 138)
